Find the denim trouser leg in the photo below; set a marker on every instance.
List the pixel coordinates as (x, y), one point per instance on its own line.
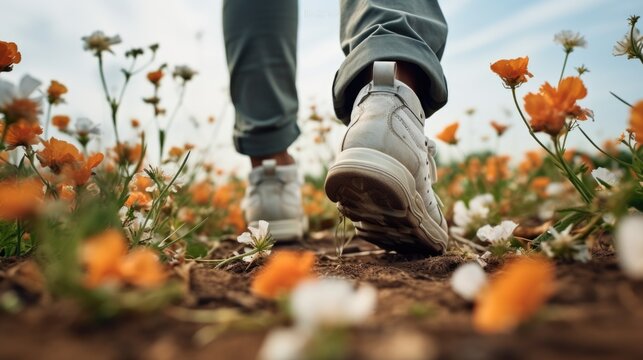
(413, 31)
(261, 48)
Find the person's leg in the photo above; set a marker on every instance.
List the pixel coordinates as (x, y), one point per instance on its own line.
(412, 33)
(261, 48)
(389, 83)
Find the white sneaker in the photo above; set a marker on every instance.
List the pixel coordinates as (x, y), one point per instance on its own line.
(382, 177)
(274, 195)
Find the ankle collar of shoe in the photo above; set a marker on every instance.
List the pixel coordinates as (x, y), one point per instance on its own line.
(399, 89)
(283, 173)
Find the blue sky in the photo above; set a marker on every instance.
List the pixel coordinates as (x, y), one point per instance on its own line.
(480, 32)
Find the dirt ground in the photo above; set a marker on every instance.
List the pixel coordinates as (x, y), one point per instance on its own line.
(596, 313)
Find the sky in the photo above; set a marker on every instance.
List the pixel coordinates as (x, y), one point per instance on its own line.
(49, 36)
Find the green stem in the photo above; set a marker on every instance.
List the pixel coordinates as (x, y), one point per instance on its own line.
(18, 237)
(113, 105)
(603, 151)
(578, 184)
(621, 99)
(5, 128)
(524, 120)
(634, 44)
(47, 120)
(562, 72)
(178, 106)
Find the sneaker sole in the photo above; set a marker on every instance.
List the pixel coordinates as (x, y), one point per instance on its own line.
(378, 194)
(286, 230)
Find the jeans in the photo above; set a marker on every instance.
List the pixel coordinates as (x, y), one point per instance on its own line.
(261, 47)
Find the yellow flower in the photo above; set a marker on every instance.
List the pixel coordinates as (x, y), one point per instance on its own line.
(513, 72)
(283, 271)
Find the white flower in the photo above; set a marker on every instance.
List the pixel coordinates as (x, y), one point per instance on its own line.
(10, 92)
(627, 47)
(565, 245)
(497, 234)
(629, 245)
(604, 176)
(84, 127)
(547, 209)
(555, 189)
(99, 42)
(184, 72)
(331, 302)
(464, 217)
(468, 280)
(284, 344)
(258, 240)
(570, 40)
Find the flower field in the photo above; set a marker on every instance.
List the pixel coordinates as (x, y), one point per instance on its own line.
(108, 250)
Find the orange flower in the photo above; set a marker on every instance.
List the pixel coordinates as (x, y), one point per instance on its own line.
(223, 196)
(155, 77)
(55, 92)
(58, 153)
(9, 55)
(61, 122)
(101, 255)
(235, 218)
(22, 133)
(66, 192)
(202, 193)
(135, 123)
(20, 198)
(284, 270)
(141, 183)
(448, 134)
(500, 128)
(496, 168)
(79, 172)
(142, 268)
(176, 152)
(539, 184)
(513, 72)
(636, 121)
(514, 295)
(533, 160)
(126, 153)
(138, 200)
(105, 259)
(551, 107)
(21, 109)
